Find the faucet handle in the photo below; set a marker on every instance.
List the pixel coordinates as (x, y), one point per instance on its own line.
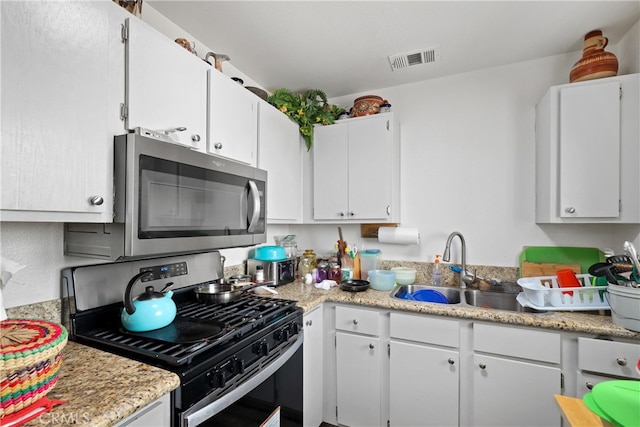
(468, 278)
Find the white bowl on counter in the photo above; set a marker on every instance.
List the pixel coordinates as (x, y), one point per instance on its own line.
(405, 275)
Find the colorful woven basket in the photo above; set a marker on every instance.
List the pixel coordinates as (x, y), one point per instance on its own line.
(30, 359)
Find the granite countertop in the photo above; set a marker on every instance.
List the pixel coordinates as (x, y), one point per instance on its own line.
(101, 388)
(309, 297)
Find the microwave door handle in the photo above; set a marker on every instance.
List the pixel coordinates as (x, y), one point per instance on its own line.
(253, 192)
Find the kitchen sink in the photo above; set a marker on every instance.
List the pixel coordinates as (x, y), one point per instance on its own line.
(492, 300)
(424, 293)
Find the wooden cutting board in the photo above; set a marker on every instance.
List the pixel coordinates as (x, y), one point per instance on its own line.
(534, 269)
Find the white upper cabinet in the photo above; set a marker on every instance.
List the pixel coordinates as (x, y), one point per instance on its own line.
(59, 117)
(356, 170)
(232, 119)
(587, 152)
(166, 86)
(280, 154)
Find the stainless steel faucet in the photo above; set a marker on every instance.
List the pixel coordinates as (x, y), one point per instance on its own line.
(465, 277)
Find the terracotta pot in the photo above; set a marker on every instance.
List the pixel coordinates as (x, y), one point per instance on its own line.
(595, 62)
(365, 105)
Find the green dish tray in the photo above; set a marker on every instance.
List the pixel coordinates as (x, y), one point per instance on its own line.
(586, 257)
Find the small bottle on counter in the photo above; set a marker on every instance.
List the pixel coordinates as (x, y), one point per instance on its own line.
(436, 277)
(334, 272)
(323, 271)
(259, 274)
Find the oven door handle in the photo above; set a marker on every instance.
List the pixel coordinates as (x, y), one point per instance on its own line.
(218, 405)
(255, 215)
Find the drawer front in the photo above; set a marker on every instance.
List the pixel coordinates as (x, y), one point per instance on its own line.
(585, 382)
(425, 329)
(609, 357)
(358, 320)
(517, 342)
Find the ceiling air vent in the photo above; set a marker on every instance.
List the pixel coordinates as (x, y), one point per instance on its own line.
(410, 59)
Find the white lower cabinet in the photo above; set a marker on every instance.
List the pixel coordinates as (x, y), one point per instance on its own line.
(605, 360)
(516, 373)
(312, 362)
(424, 376)
(156, 413)
(359, 367)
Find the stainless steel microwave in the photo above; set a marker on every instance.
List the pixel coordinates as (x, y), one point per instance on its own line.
(169, 199)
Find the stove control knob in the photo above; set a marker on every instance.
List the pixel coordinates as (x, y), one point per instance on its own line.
(295, 328)
(218, 379)
(238, 366)
(285, 335)
(261, 349)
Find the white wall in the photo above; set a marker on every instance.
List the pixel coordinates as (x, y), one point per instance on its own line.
(467, 164)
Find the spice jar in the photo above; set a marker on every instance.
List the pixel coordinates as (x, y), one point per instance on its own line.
(334, 272)
(308, 253)
(323, 271)
(305, 267)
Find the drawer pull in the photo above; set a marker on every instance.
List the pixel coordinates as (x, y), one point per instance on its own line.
(589, 385)
(355, 321)
(621, 361)
(371, 346)
(482, 366)
(451, 361)
(309, 323)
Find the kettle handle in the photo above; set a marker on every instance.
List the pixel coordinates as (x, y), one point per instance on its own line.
(128, 301)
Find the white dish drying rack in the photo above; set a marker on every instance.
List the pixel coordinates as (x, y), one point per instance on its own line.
(544, 293)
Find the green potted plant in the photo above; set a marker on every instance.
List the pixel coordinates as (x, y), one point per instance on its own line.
(306, 109)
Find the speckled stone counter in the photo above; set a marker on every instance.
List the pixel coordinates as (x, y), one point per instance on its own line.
(309, 297)
(101, 389)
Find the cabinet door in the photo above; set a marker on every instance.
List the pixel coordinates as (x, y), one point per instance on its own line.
(371, 168)
(166, 86)
(423, 385)
(312, 377)
(330, 172)
(514, 393)
(590, 151)
(157, 414)
(57, 123)
(232, 119)
(280, 154)
(358, 379)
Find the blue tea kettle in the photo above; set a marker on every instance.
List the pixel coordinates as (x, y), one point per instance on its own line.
(148, 311)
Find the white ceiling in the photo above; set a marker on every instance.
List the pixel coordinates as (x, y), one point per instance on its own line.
(342, 47)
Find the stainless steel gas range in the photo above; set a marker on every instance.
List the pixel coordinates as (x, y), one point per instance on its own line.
(238, 362)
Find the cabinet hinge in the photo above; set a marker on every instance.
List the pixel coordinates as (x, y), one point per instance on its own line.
(388, 423)
(124, 32)
(124, 111)
(336, 412)
(561, 381)
(335, 341)
(620, 92)
(387, 124)
(389, 350)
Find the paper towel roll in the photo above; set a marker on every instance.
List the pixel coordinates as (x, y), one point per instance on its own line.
(399, 235)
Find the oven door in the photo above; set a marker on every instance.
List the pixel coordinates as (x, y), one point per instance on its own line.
(275, 389)
(179, 200)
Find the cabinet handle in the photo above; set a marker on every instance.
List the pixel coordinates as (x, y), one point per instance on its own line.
(371, 346)
(482, 365)
(621, 361)
(570, 210)
(589, 385)
(341, 214)
(351, 214)
(388, 210)
(309, 323)
(97, 200)
(217, 146)
(451, 361)
(355, 321)
(195, 138)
